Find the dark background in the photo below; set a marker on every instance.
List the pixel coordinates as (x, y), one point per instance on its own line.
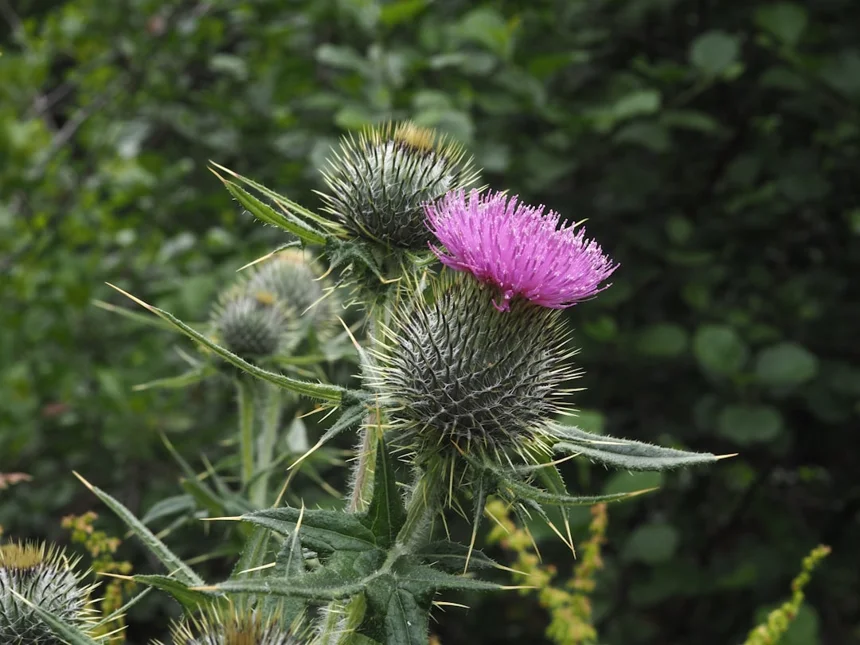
(712, 146)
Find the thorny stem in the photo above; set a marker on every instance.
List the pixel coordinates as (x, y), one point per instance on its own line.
(423, 504)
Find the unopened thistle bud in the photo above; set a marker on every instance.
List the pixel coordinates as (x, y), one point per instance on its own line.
(291, 279)
(235, 628)
(461, 376)
(378, 182)
(253, 326)
(46, 578)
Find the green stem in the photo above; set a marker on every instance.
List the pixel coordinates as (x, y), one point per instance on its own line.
(272, 409)
(362, 480)
(423, 505)
(245, 393)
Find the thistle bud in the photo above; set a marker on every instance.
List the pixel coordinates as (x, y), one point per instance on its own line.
(462, 376)
(378, 182)
(253, 326)
(233, 628)
(290, 279)
(46, 578)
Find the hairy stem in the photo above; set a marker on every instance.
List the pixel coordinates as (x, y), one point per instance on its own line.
(423, 505)
(245, 393)
(272, 407)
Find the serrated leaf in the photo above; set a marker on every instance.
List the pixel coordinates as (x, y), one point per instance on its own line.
(421, 579)
(450, 556)
(174, 564)
(190, 599)
(289, 565)
(169, 506)
(69, 633)
(386, 512)
(269, 215)
(254, 554)
(625, 453)
(321, 530)
(406, 621)
(346, 574)
(322, 391)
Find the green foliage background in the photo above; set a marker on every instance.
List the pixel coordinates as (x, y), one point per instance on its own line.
(713, 148)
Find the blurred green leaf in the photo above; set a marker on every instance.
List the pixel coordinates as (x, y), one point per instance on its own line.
(719, 349)
(785, 20)
(785, 365)
(748, 424)
(651, 543)
(714, 52)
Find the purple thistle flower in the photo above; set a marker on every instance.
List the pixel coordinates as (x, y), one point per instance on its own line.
(519, 248)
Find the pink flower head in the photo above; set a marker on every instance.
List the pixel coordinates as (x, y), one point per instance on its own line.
(519, 248)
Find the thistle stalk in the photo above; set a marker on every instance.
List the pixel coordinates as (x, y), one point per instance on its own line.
(272, 409)
(245, 394)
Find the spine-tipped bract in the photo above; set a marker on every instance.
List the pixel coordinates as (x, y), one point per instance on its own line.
(378, 182)
(459, 375)
(44, 577)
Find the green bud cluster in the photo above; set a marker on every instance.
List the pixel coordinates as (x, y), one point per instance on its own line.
(268, 312)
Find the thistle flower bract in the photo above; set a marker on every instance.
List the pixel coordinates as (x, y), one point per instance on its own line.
(520, 249)
(48, 579)
(378, 182)
(458, 373)
(235, 628)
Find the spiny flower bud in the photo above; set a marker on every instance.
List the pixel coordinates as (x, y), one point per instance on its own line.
(459, 373)
(290, 279)
(221, 628)
(519, 249)
(47, 578)
(378, 182)
(253, 326)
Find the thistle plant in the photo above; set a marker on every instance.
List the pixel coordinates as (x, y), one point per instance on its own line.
(466, 369)
(36, 579)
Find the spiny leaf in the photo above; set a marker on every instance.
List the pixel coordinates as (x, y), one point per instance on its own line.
(322, 391)
(190, 599)
(269, 215)
(321, 585)
(386, 512)
(254, 554)
(286, 204)
(522, 490)
(625, 453)
(174, 564)
(421, 579)
(452, 557)
(321, 530)
(406, 621)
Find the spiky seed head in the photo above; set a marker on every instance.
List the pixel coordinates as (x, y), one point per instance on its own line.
(460, 375)
(377, 182)
(290, 278)
(47, 578)
(235, 628)
(252, 325)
